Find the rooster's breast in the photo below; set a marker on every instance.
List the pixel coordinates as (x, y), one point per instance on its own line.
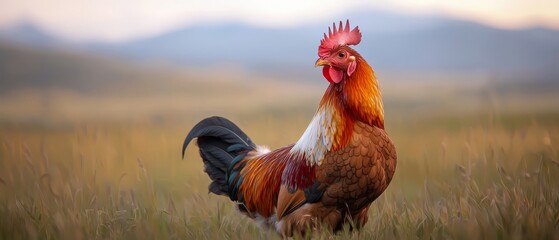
(354, 176)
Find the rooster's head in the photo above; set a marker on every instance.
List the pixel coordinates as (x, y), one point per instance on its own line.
(337, 58)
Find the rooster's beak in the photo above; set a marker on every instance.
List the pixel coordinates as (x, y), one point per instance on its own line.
(321, 62)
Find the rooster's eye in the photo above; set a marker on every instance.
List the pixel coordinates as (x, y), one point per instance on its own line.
(341, 54)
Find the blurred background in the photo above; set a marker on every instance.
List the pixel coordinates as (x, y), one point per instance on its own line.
(76, 60)
(97, 96)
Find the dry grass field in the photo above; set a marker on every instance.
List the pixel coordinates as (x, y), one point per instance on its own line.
(455, 180)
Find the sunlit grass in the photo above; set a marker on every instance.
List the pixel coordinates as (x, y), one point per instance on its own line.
(461, 180)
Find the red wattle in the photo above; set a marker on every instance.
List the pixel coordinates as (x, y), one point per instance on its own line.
(326, 74)
(333, 75)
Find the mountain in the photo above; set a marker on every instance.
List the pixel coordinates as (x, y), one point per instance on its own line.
(230, 44)
(28, 33)
(24, 67)
(467, 46)
(391, 42)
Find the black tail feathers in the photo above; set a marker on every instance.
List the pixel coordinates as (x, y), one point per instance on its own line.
(220, 142)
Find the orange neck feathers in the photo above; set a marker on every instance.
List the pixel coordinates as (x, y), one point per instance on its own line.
(355, 98)
(360, 95)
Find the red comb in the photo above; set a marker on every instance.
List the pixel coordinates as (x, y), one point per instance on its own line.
(338, 37)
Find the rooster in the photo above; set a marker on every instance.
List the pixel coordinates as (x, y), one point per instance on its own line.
(343, 161)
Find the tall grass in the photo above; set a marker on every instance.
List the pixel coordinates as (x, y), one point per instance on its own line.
(455, 179)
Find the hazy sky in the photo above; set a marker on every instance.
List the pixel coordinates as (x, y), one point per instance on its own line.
(115, 20)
